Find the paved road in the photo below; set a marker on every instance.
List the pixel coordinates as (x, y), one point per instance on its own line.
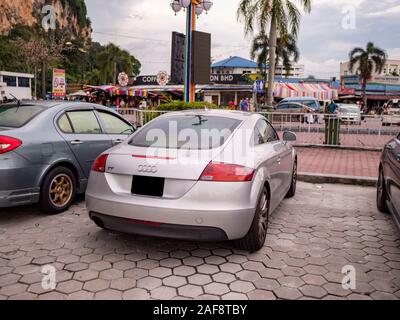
(311, 238)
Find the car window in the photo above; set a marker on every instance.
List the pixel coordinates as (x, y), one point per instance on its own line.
(114, 125)
(64, 124)
(264, 133)
(398, 137)
(14, 116)
(193, 132)
(84, 122)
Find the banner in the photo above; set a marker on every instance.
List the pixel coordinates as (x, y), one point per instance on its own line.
(59, 83)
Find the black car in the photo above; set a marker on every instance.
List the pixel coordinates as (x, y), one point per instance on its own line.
(388, 195)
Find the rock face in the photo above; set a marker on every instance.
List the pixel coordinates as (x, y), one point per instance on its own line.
(70, 15)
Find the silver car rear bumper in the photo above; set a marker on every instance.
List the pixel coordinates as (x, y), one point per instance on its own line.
(231, 213)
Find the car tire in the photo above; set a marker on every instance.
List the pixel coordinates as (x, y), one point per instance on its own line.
(255, 238)
(293, 185)
(58, 191)
(381, 195)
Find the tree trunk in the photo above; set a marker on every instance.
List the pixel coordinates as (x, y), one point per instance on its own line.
(364, 93)
(44, 71)
(272, 62)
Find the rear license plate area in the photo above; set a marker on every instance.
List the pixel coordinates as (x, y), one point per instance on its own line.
(148, 186)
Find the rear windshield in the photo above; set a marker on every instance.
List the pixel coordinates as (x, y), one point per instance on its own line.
(186, 132)
(14, 116)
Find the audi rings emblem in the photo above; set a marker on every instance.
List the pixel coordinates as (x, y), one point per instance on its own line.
(147, 169)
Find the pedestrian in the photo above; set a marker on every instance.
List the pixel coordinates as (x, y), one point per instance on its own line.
(122, 103)
(246, 105)
(332, 107)
(241, 105)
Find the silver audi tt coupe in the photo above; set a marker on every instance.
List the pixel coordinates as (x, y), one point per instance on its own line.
(195, 175)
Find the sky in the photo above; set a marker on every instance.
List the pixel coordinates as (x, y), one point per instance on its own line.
(327, 34)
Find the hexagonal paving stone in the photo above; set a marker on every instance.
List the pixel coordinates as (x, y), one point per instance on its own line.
(261, 295)
(86, 275)
(149, 283)
(336, 290)
(81, 295)
(384, 286)
(136, 294)
(90, 258)
(313, 291)
(123, 284)
(314, 280)
(100, 265)
(248, 275)
(170, 263)
(111, 274)
(200, 279)
(216, 260)
(148, 264)
(75, 267)
(292, 282)
(108, 294)
(96, 285)
(224, 277)
(69, 286)
(234, 296)
(174, 281)
(266, 284)
(163, 293)
(184, 271)
(68, 258)
(207, 269)
(241, 286)
(136, 273)
(271, 273)
(160, 272)
(8, 279)
(190, 291)
(13, 289)
(287, 293)
(201, 253)
(231, 267)
(216, 288)
(253, 266)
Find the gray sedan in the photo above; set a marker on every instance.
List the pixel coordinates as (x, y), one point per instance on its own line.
(196, 175)
(47, 149)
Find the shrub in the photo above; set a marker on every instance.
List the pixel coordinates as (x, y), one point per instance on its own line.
(181, 105)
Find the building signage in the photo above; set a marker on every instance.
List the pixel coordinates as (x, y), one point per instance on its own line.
(214, 78)
(59, 83)
(391, 80)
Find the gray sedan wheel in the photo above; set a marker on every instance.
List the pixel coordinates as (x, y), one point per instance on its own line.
(255, 238)
(58, 190)
(293, 185)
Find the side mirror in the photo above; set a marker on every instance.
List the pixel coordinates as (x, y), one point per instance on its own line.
(289, 136)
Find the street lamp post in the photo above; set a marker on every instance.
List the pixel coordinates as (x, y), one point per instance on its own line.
(193, 8)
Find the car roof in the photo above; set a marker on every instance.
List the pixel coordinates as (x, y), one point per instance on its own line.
(298, 99)
(239, 115)
(40, 103)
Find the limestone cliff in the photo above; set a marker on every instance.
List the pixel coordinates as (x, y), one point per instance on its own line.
(70, 15)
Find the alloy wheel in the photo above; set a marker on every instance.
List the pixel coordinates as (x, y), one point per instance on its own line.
(60, 192)
(263, 215)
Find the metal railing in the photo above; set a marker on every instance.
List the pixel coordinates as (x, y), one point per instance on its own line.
(313, 129)
(367, 132)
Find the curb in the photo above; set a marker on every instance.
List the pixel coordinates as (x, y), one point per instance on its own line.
(337, 179)
(324, 146)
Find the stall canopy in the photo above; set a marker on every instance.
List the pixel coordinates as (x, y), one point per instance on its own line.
(319, 91)
(120, 91)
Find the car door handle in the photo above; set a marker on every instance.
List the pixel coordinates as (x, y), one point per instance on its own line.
(117, 141)
(279, 160)
(76, 142)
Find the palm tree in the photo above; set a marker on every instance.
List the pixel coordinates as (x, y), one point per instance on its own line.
(367, 61)
(280, 16)
(111, 60)
(286, 51)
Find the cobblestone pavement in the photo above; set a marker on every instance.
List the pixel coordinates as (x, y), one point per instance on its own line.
(339, 162)
(311, 238)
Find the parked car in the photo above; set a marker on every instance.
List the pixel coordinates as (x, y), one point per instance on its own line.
(391, 113)
(295, 112)
(310, 102)
(349, 113)
(47, 149)
(388, 195)
(197, 190)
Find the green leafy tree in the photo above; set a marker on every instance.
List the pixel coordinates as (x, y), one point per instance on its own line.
(365, 62)
(287, 52)
(112, 60)
(280, 17)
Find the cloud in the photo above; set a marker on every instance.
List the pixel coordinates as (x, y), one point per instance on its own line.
(323, 41)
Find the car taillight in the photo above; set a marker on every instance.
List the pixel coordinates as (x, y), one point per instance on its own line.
(223, 172)
(8, 144)
(99, 165)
